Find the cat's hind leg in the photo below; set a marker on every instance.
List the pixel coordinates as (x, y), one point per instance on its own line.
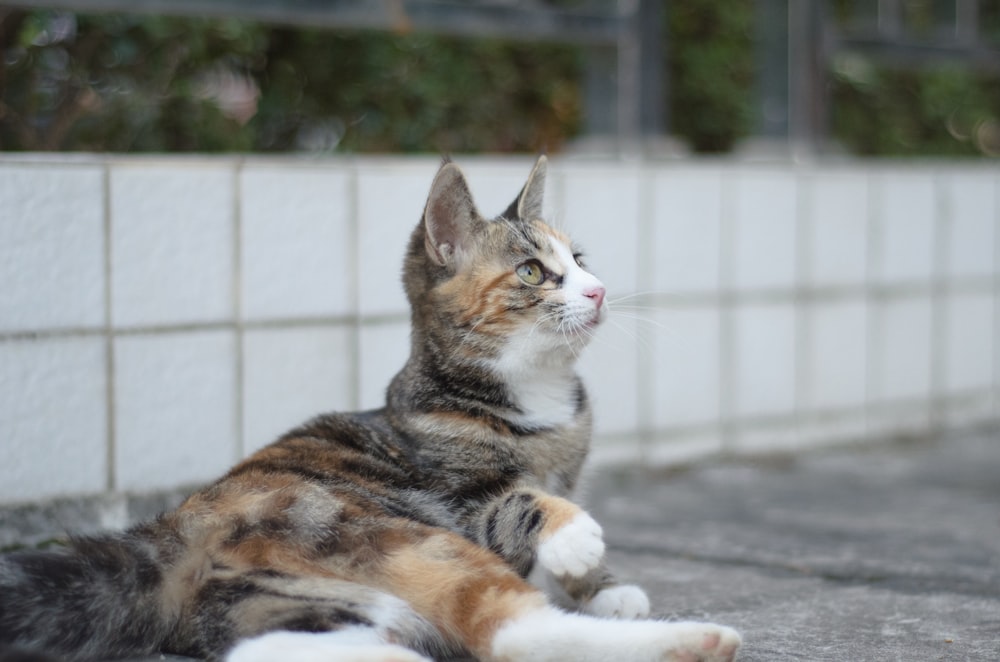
(353, 644)
(251, 616)
(472, 596)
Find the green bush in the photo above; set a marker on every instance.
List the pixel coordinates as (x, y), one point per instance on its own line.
(126, 83)
(944, 111)
(711, 72)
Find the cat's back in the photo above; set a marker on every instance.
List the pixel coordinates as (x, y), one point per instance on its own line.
(333, 468)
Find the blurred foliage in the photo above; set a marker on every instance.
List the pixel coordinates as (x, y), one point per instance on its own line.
(711, 69)
(123, 83)
(379, 92)
(116, 82)
(947, 111)
(130, 83)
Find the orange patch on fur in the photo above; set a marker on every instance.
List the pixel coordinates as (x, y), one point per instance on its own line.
(480, 300)
(467, 592)
(558, 513)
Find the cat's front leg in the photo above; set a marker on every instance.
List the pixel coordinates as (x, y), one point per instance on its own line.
(570, 542)
(528, 527)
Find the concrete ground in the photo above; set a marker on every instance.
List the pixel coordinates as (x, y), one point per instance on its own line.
(887, 553)
(890, 553)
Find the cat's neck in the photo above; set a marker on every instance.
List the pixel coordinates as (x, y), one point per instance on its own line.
(541, 381)
(526, 384)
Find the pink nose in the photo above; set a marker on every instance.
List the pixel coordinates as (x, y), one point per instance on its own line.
(596, 293)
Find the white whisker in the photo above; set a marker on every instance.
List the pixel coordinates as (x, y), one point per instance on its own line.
(634, 295)
(645, 320)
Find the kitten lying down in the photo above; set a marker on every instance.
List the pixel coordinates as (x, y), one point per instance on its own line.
(396, 534)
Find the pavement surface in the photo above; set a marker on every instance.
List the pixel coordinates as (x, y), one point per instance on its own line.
(890, 553)
(885, 553)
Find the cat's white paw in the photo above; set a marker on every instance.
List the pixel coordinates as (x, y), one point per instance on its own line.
(625, 601)
(575, 549)
(705, 642)
(548, 635)
(319, 647)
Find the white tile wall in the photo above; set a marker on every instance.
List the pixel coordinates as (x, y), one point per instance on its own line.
(494, 185)
(970, 342)
(780, 435)
(681, 448)
(602, 216)
(292, 374)
(51, 247)
(835, 355)
(902, 352)
(685, 231)
(895, 420)
(53, 413)
(614, 450)
(297, 242)
(686, 368)
(391, 201)
(172, 243)
(836, 214)
(383, 351)
(972, 219)
(906, 235)
(764, 230)
(850, 428)
(764, 383)
(175, 408)
(249, 294)
(609, 369)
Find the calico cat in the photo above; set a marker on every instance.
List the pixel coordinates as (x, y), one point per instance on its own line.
(397, 534)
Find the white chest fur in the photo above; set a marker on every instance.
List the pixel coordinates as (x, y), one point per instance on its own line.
(541, 382)
(546, 401)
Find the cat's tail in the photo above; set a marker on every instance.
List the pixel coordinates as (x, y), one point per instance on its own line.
(96, 598)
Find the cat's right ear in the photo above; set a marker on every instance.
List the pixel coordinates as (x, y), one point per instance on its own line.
(528, 205)
(448, 216)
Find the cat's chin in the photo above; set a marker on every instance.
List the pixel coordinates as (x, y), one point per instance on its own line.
(586, 327)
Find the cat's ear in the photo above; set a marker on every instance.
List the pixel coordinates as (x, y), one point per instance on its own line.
(449, 215)
(528, 205)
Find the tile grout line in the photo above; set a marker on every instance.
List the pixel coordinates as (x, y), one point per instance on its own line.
(877, 305)
(940, 331)
(378, 319)
(108, 331)
(646, 354)
(996, 299)
(868, 300)
(805, 322)
(727, 314)
(355, 326)
(240, 445)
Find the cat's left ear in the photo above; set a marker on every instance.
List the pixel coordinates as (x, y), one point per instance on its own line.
(449, 216)
(528, 205)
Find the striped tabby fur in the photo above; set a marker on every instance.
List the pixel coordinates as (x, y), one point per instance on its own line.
(399, 533)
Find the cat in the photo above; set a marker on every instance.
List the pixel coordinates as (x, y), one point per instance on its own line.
(404, 533)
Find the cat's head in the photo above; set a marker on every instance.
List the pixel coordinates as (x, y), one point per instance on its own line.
(510, 280)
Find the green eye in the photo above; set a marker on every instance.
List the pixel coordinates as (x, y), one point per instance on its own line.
(531, 272)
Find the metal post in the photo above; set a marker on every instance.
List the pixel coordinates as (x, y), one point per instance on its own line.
(807, 78)
(772, 69)
(653, 84)
(629, 89)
